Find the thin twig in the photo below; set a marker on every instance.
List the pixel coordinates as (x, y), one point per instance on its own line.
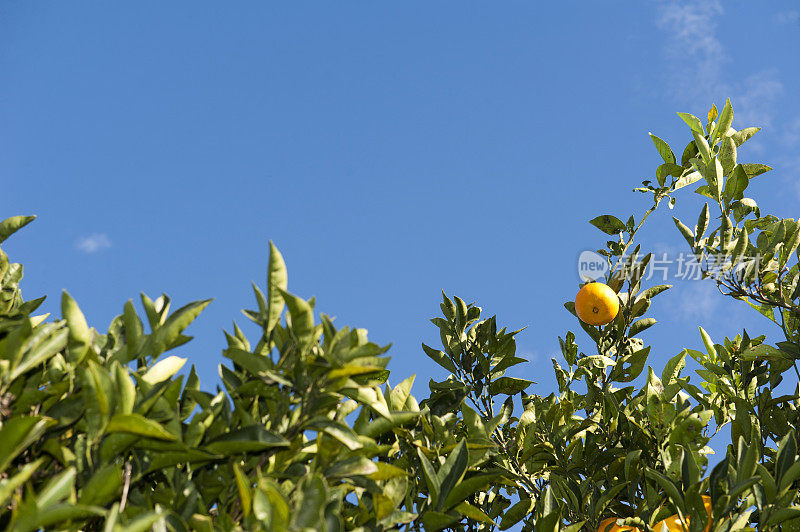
(125, 487)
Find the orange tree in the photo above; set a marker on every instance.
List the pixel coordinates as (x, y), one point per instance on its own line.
(100, 431)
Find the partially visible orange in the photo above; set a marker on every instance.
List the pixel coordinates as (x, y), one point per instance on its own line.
(673, 523)
(596, 304)
(614, 528)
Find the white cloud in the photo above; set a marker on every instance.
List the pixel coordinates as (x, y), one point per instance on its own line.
(790, 16)
(698, 299)
(756, 99)
(659, 249)
(693, 45)
(696, 59)
(93, 243)
(791, 135)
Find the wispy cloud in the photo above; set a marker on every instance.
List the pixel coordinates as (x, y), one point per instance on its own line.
(698, 300)
(789, 16)
(693, 44)
(757, 97)
(93, 243)
(791, 135)
(696, 59)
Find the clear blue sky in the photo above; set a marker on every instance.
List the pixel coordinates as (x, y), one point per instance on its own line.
(391, 150)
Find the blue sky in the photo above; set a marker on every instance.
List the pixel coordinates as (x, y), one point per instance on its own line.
(391, 151)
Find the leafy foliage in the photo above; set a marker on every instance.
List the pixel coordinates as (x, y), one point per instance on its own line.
(101, 431)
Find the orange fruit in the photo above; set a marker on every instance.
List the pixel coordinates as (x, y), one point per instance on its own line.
(673, 523)
(596, 304)
(614, 528)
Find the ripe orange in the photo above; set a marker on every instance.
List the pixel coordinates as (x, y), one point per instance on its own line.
(614, 528)
(673, 523)
(596, 304)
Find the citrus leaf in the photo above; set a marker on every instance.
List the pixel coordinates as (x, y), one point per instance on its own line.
(139, 425)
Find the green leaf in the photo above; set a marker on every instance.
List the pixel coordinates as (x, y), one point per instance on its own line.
(351, 467)
(252, 438)
(693, 122)
(163, 370)
(669, 488)
(399, 394)
(268, 495)
(467, 487)
(689, 153)
(508, 385)
(9, 226)
(58, 488)
(103, 486)
(387, 471)
(611, 225)
(440, 358)
(80, 337)
(781, 515)
(310, 505)
(277, 282)
(754, 169)
(635, 362)
(712, 113)
(688, 179)
(727, 155)
(17, 433)
(736, 184)
(787, 455)
(666, 169)
(338, 431)
(139, 425)
(452, 471)
(740, 137)
(383, 425)
(167, 459)
(134, 332)
(632, 463)
(164, 336)
(48, 341)
(467, 510)
(243, 487)
(709, 343)
(45, 518)
(685, 231)
(641, 325)
(702, 223)
(517, 512)
(673, 368)
(702, 146)
(254, 364)
(350, 371)
(302, 316)
(9, 486)
(145, 522)
(608, 496)
(741, 246)
(431, 479)
(788, 478)
(653, 291)
(435, 521)
(724, 122)
(663, 149)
